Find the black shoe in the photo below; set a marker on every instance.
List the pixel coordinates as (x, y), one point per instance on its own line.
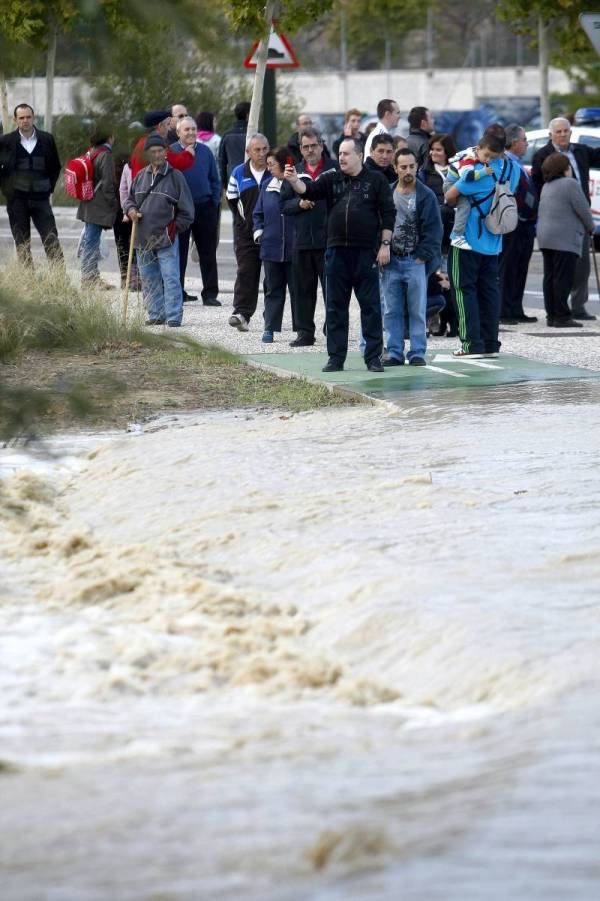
(155, 321)
(174, 324)
(524, 318)
(509, 320)
(302, 341)
(582, 316)
(566, 323)
(439, 332)
(375, 366)
(332, 366)
(393, 361)
(417, 361)
(188, 298)
(453, 333)
(211, 302)
(550, 321)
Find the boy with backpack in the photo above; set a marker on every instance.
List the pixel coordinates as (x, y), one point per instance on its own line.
(486, 184)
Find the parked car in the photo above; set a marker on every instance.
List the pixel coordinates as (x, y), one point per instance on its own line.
(580, 134)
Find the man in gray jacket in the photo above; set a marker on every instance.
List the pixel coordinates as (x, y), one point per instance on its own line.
(161, 204)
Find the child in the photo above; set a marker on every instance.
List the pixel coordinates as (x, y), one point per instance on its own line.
(470, 165)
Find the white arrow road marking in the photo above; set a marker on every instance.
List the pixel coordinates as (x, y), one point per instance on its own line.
(455, 375)
(446, 358)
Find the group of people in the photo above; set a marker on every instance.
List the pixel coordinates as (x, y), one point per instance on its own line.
(403, 222)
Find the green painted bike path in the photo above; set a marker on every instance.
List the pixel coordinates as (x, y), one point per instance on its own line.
(442, 371)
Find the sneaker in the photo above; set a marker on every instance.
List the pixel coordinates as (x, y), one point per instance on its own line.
(463, 353)
(267, 337)
(393, 361)
(375, 365)
(239, 321)
(174, 324)
(417, 361)
(155, 321)
(332, 366)
(461, 242)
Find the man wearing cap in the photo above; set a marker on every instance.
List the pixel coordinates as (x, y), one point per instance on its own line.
(161, 203)
(159, 121)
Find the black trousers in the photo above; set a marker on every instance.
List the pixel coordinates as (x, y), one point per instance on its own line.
(474, 277)
(348, 268)
(579, 288)
(559, 272)
(22, 210)
(308, 269)
(278, 277)
(122, 233)
(247, 280)
(205, 229)
(517, 247)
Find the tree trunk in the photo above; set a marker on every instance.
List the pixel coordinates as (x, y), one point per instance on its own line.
(543, 67)
(50, 65)
(259, 75)
(6, 117)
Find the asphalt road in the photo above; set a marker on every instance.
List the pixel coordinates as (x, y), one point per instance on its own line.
(69, 230)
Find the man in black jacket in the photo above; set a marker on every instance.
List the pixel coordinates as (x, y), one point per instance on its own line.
(581, 158)
(360, 209)
(29, 169)
(232, 149)
(311, 236)
(381, 157)
(421, 128)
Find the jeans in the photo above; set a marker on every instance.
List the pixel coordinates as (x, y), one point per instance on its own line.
(89, 251)
(159, 271)
(404, 296)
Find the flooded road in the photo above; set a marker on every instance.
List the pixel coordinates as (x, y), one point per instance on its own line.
(343, 654)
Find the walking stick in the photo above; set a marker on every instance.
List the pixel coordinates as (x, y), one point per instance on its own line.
(595, 265)
(129, 264)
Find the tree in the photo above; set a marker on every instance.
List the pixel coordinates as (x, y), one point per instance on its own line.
(539, 19)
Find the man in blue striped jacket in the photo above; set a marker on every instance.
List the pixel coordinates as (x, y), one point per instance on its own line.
(242, 194)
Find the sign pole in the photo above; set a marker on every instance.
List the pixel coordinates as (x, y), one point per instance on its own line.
(270, 107)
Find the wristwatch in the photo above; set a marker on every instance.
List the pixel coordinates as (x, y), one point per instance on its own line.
(386, 243)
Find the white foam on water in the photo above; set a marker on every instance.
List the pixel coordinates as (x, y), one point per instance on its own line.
(264, 654)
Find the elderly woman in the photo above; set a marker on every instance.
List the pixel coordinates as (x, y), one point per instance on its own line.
(563, 219)
(275, 234)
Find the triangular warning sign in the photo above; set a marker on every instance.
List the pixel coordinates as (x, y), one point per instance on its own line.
(280, 54)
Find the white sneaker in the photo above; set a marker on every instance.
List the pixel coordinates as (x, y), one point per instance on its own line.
(461, 242)
(239, 321)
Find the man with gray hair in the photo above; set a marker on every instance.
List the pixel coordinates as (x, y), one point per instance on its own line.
(581, 158)
(242, 194)
(205, 187)
(517, 246)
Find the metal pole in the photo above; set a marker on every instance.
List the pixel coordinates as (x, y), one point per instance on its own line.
(270, 107)
(543, 67)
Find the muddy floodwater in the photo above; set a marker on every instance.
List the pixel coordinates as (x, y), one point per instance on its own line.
(350, 654)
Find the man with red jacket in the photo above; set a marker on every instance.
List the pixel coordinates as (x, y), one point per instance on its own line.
(158, 123)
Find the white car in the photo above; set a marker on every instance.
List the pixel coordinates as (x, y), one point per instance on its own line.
(580, 134)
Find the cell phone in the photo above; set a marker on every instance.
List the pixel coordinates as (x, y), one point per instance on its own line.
(290, 161)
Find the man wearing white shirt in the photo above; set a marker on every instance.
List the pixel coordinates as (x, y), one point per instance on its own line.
(29, 169)
(388, 113)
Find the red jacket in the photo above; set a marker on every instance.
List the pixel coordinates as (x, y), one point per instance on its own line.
(182, 160)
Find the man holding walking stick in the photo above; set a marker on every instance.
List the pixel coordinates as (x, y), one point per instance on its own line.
(161, 203)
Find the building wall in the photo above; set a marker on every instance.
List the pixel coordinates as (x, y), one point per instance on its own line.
(330, 92)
